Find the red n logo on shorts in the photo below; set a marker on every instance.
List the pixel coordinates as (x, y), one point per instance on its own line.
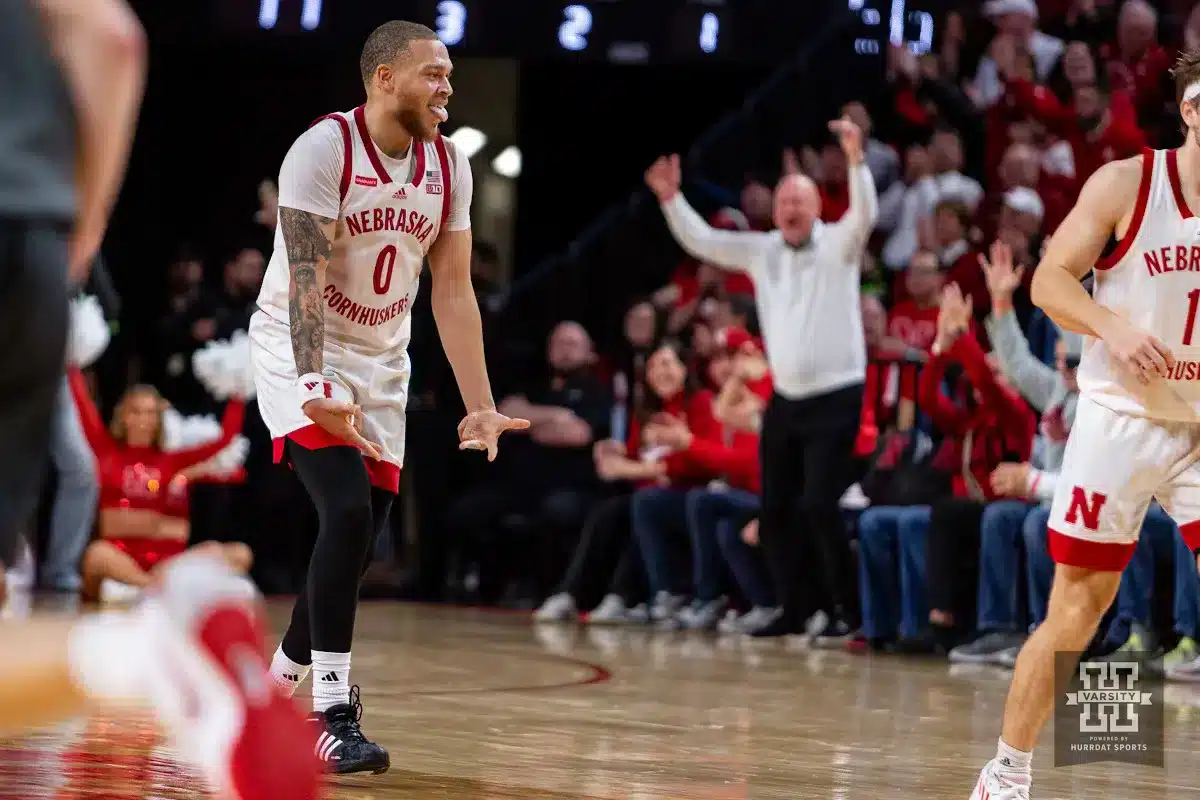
(1086, 504)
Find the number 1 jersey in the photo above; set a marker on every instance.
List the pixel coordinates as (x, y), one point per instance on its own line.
(1152, 280)
(389, 212)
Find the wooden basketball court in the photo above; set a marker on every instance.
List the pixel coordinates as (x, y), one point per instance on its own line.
(476, 705)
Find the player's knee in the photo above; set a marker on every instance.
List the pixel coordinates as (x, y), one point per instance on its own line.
(1079, 597)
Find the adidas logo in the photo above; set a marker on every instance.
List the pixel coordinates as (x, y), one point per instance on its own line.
(400, 195)
(294, 678)
(327, 745)
(329, 677)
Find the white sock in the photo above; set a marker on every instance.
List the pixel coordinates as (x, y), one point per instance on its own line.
(330, 679)
(108, 654)
(287, 674)
(1011, 762)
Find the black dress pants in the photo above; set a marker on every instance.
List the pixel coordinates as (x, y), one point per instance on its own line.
(807, 459)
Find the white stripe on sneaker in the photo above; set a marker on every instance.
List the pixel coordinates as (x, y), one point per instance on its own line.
(326, 745)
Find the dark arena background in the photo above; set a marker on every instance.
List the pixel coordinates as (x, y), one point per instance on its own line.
(515, 643)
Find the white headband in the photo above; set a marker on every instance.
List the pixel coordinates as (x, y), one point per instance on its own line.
(1191, 92)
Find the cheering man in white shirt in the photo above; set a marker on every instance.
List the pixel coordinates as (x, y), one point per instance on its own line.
(806, 279)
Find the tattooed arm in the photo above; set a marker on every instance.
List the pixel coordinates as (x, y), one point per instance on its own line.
(309, 241)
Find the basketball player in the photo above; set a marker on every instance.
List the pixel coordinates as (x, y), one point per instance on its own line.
(192, 653)
(364, 197)
(1137, 429)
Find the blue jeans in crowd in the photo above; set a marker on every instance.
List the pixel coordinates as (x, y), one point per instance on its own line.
(659, 520)
(1133, 598)
(999, 562)
(75, 499)
(893, 542)
(715, 521)
(1159, 541)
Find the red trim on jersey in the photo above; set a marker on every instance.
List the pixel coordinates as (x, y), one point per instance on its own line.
(347, 149)
(1084, 553)
(1139, 212)
(1190, 531)
(444, 160)
(383, 474)
(418, 147)
(360, 119)
(1176, 184)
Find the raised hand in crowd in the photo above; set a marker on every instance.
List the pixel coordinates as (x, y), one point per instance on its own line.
(1003, 279)
(902, 63)
(665, 177)
(791, 162)
(850, 137)
(954, 317)
(1011, 480)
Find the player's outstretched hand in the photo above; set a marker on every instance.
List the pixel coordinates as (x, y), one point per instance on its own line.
(343, 420)
(664, 178)
(481, 430)
(1141, 355)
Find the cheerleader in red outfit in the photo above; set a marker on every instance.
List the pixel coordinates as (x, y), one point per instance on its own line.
(141, 486)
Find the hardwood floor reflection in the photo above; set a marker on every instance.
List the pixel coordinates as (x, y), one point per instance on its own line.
(476, 705)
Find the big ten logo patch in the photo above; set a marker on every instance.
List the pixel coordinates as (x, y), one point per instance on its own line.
(1107, 711)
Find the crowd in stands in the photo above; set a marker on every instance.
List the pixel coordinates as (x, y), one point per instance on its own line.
(978, 149)
(633, 497)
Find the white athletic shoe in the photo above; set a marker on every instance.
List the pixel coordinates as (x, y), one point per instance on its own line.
(991, 786)
(117, 593)
(212, 688)
(611, 611)
(557, 608)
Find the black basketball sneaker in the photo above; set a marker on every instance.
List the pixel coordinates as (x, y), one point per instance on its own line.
(341, 747)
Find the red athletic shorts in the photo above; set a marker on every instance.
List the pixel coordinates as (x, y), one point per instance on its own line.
(149, 553)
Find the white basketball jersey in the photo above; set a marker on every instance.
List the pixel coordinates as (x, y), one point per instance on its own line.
(391, 212)
(1152, 280)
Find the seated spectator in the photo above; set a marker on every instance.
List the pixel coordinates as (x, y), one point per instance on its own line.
(912, 322)
(995, 426)
(606, 567)
(904, 205)
(139, 484)
(1054, 393)
(717, 513)
(544, 482)
(644, 327)
(1136, 62)
(1095, 133)
(1016, 28)
(951, 226)
(946, 158)
(756, 202)
(659, 512)
(1080, 70)
(746, 385)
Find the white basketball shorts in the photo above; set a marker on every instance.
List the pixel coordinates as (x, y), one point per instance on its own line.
(1113, 466)
(378, 385)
